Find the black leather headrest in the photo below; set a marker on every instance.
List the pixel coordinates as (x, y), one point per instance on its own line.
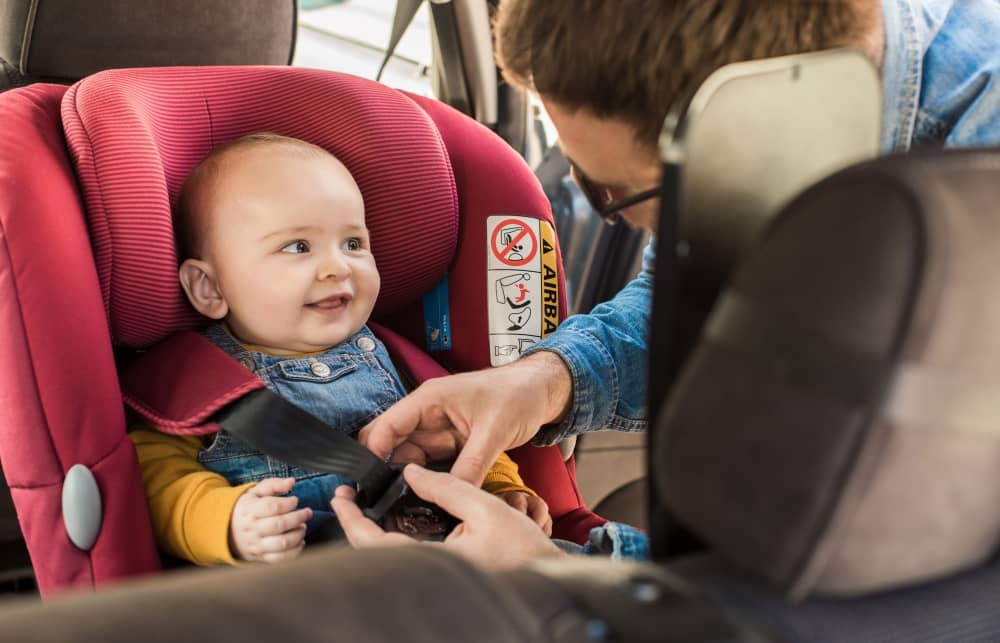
(69, 39)
(837, 428)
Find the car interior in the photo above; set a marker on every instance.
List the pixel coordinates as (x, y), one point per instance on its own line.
(837, 301)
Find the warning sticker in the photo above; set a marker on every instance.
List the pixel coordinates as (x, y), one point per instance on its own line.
(522, 285)
(513, 242)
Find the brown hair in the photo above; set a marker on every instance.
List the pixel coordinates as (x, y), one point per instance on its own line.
(189, 226)
(632, 59)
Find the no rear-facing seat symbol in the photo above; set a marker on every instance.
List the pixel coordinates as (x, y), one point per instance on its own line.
(514, 243)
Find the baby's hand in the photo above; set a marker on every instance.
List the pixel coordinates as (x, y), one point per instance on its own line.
(534, 506)
(265, 526)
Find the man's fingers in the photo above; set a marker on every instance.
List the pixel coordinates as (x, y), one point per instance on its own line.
(272, 487)
(382, 434)
(478, 455)
(406, 453)
(457, 497)
(360, 531)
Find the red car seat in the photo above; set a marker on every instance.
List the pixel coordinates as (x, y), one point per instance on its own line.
(87, 264)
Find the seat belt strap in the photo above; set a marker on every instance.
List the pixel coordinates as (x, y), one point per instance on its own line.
(401, 20)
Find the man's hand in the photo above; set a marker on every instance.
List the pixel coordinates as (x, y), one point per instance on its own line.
(491, 533)
(473, 417)
(532, 506)
(266, 527)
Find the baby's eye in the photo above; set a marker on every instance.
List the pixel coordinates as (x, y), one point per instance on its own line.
(296, 247)
(353, 244)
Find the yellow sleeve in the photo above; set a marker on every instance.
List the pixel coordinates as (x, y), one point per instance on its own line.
(503, 477)
(190, 507)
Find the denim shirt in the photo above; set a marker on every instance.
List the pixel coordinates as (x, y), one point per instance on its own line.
(941, 86)
(941, 73)
(346, 387)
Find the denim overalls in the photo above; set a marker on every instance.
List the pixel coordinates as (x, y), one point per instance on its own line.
(346, 387)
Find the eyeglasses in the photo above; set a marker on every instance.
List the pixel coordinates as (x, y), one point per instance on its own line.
(602, 199)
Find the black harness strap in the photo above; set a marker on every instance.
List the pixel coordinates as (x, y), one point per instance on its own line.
(285, 432)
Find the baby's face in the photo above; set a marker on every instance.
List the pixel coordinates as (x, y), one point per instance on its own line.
(286, 237)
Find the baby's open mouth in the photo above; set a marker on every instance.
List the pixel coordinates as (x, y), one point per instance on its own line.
(330, 304)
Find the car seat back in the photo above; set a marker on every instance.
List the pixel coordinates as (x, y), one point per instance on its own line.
(63, 40)
(836, 430)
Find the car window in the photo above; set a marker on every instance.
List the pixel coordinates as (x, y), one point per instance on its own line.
(351, 36)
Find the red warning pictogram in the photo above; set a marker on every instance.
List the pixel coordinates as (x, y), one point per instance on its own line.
(514, 243)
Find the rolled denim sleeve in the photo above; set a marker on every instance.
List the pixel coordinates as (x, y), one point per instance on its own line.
(605, 352)
(618, 541)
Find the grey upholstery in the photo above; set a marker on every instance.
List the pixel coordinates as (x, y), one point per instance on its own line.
(962, 609)
(412, 594)
(329, 594)
(67, 39)
(837, 430)
(627, 504)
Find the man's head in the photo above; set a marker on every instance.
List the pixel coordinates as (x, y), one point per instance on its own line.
(609, 72)
(272, 235)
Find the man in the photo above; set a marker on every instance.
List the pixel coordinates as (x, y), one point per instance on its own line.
(608, 73)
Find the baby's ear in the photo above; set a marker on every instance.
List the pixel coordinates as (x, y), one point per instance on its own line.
(198, 281)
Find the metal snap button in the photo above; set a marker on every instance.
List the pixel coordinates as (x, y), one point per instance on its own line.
(366, 344)
(320, 369)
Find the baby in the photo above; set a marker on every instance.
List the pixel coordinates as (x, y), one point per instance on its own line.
(274, 245)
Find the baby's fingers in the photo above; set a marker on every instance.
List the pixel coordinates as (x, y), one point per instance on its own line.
(275, 525)
(517, 500)
(274, 506)
(283, 546)
(539, 512)
(272, 487)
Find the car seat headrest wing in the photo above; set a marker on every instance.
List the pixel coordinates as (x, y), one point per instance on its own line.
(837, 428)
(135, 134)
(55, 39)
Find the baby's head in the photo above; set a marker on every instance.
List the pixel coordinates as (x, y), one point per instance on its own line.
(271, 231)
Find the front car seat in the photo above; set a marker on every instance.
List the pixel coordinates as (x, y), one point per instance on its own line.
(834, 436)
(63, 41)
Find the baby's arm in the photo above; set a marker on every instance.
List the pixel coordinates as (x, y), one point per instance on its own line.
(504, 481)
(191, 508)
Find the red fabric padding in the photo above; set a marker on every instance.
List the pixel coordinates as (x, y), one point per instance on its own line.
(182, 381)
(135, 134)
(491, 179)
(59, 399)
(406, 355)
(554, 479)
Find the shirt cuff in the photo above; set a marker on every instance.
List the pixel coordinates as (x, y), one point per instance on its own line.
(618, 541)
(594, 379)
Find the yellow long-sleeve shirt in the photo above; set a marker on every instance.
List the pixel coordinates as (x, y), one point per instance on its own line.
(191, 507)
